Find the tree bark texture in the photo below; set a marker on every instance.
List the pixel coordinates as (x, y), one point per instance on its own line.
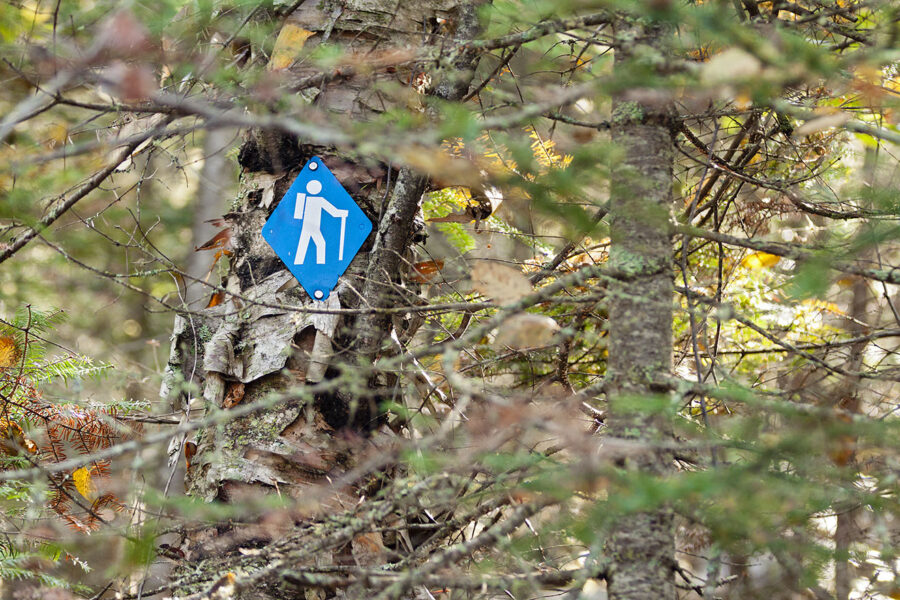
(640, 549)
(257, 342)
(396, 227)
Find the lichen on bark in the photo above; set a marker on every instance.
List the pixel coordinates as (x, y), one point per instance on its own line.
(640, 550)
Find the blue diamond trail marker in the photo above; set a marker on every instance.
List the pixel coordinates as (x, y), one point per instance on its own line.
(317, 229)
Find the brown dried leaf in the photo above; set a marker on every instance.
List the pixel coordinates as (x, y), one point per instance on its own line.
(423, 272)
(190, 450)
(234, 393)
(368, 549)
(220, 240)
(216, 299)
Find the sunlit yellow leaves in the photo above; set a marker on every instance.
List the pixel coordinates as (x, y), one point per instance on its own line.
(824, 306)
(290, 42)
(760, 260)
(8, 352)
(892, 83)
(84, 483)
(32, 16)
(544, 151)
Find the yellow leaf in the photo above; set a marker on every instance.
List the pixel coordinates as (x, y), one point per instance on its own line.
(290, 42)
(758, 260)
(8, 352)
(83, 483)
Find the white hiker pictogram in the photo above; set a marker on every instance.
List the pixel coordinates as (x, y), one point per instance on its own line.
(338, 235)
(309, 209)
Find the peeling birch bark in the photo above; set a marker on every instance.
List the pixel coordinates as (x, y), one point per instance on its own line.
(272, 346)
